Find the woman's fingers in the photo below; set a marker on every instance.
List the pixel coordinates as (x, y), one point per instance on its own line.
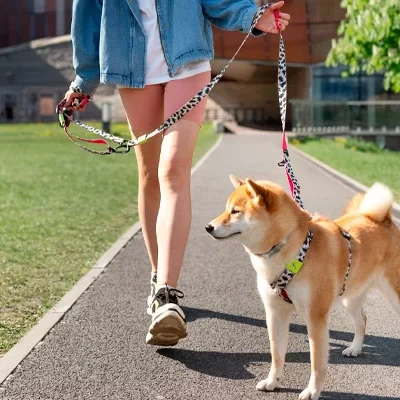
(70, 99)
(284, 16)
(277, 6)
(283, 22)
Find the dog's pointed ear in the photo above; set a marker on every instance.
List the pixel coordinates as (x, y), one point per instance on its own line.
(254, 189)
(236, 182)
(259, 193)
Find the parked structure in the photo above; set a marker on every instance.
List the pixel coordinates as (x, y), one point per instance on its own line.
(34, 75)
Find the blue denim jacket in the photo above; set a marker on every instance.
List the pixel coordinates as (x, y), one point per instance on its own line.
(109, 44)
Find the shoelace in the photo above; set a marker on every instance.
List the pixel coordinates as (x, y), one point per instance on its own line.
(167, 293)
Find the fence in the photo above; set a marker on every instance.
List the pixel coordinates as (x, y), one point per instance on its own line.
(352, 117)
(238, 114)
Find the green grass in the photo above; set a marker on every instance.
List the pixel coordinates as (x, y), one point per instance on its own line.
(60, 209)
(362, 161)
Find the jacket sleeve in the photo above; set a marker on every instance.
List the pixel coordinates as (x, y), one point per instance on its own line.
(230, 15)
(85, 34)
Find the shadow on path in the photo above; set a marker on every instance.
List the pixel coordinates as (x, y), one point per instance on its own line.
(377, 350)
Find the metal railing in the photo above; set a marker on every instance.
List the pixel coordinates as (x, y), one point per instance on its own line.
(238, 114)
(361, 118)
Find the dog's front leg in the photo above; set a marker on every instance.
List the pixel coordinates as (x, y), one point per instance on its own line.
(278, 319)
(318, 334)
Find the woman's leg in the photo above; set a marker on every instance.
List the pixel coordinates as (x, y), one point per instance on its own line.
(174, 218)
(144, 111)
(168, 324)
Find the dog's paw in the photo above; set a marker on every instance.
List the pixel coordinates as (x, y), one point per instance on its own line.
(268, 384)
(352, 351)
(309, 394)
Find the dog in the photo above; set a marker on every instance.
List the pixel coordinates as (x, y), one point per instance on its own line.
(273, 229)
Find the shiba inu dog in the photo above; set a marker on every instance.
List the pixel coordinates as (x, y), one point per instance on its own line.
(274, 229)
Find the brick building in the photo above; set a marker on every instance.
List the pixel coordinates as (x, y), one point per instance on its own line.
(43, 68)
(25, 20)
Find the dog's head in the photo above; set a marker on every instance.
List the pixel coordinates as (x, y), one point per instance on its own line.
(259, 213)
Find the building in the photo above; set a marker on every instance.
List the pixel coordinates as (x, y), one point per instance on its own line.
(25, 20)
(33, 73)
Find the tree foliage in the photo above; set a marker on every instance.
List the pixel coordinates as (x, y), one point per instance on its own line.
(369, 40)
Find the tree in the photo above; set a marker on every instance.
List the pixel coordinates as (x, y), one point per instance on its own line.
(369, 40)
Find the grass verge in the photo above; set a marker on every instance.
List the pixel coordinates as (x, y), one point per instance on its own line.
(60, 210)
(363, 161)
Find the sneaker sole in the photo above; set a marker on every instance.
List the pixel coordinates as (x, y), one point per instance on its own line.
(166, 330)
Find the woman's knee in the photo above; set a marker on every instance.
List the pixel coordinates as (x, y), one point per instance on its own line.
(174, 173)
(148, 180)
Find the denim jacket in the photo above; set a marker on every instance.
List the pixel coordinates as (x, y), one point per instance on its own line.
(109, 43)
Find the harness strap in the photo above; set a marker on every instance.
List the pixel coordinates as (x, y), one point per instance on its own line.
(347, 236)
(279, 286)
(292, 268)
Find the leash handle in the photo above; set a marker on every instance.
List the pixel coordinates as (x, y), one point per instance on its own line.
(277, 15)
(64, 122)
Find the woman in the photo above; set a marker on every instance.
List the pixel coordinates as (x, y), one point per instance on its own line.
(157, 52)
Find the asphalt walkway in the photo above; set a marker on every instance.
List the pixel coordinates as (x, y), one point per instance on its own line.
(98, 350)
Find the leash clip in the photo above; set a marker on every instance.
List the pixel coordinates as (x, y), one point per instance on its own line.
(123, 148)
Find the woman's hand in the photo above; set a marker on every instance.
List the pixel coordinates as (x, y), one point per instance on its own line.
(70, 103)
(267, 22)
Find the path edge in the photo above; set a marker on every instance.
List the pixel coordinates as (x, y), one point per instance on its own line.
(13, 358)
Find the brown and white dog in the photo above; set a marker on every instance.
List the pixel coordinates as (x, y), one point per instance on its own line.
(262, 215)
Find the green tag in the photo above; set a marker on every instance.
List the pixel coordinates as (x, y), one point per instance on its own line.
(294, 266)
(142, 139)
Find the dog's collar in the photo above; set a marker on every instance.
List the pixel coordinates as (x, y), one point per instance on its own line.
(274, 250)
(291, 269)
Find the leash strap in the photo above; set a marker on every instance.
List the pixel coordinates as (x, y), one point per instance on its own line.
(347, 236)
(124, 144)
(282, 91)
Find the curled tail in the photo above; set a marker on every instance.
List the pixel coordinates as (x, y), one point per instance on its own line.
(377, 203)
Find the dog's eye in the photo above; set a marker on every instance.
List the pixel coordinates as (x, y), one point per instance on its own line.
(235, 211)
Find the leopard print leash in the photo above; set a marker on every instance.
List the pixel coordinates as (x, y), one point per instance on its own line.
(279, 286)
(125, 145)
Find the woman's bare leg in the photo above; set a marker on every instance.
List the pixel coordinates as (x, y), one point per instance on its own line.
(144, 109)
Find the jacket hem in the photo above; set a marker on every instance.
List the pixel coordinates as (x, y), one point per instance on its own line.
(120, 80)
(190, 57)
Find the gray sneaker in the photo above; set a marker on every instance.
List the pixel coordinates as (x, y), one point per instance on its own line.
(168, 323)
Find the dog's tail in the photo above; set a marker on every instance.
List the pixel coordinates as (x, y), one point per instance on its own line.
(376, 203)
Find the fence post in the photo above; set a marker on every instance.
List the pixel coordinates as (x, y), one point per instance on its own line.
(106, 116)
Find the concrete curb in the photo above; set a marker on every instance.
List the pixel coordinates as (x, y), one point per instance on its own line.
(10, 361)
(355, 185)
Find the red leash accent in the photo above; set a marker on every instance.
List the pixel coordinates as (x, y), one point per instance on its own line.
(277, 15)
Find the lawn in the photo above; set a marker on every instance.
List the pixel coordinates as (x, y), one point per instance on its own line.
(362, 161)
(60, 209)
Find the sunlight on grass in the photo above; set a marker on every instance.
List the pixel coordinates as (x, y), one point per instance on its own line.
(60, 209)
(361, 161)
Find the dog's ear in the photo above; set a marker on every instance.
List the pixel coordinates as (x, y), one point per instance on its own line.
(257, 192)
(253, 189)
(236, 182)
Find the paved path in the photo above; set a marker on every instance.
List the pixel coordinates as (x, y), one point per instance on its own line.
(97, 351)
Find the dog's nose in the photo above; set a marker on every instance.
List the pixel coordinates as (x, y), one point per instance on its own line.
(209, 228)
